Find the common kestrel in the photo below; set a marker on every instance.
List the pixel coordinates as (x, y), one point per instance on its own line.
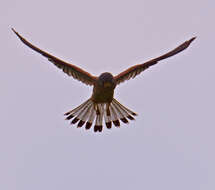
(101, 105)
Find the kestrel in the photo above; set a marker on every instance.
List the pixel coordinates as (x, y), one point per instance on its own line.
(101, 105)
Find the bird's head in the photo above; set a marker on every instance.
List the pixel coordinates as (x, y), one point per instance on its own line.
(106, 80)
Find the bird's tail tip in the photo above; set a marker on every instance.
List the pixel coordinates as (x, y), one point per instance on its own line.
(90, 112)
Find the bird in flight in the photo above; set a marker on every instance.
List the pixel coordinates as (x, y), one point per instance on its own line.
(101, 105)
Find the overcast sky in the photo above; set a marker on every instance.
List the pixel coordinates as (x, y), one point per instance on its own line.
(171, 143)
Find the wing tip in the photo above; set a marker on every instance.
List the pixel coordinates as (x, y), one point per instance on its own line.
(20, 37)
(14, 31)
(192, 39)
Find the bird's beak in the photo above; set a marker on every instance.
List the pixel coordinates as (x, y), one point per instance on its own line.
(107, 84)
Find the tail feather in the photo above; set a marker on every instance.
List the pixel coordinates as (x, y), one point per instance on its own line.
(91, 118)
(85, 116)
(75, 120)
(124, 108)
(99, 118)
(114, 115)
(107, 116)
(90, 112)
(88, 125)
(80, 114)
(77, 108)
(81, 123)
(121, 113)
(124, 112)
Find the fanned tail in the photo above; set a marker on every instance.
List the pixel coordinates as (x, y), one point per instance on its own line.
(89, 111)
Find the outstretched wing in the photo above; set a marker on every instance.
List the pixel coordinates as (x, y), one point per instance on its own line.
(137, 69)
(69, 69)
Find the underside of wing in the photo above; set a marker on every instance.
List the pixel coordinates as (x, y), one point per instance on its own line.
(137, 69)
(69, 69)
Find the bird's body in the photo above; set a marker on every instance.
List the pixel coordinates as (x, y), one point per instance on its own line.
(103, 89)
(101, 105)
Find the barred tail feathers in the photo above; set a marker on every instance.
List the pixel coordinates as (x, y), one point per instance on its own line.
(89, 111)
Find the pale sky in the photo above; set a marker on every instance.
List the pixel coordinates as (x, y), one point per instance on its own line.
(169, 146)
